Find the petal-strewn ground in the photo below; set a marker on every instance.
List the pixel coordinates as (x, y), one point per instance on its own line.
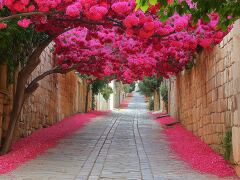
(194, 151)
(126, 144)
(30, 147)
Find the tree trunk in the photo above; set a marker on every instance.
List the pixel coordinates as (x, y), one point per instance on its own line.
(93, 102)
(17, 106)
(86, 100)
(20, 94)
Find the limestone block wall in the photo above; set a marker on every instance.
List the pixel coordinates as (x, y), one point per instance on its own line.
(172, 97)
(115, 100)
(203, 98)
(101, 103)
(57, 97)
(236, 92)
(206, 99)
(118, 94)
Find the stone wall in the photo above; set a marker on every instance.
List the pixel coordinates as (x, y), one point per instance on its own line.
(101, 104)
(57, 97)
(172, 97)
(118, 93)
(236, 92)
(206, 98)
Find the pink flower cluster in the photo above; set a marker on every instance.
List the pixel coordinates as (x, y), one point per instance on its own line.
(3, 25)
(24, 23)
(112, 39)
(2, 3)
(123, 8)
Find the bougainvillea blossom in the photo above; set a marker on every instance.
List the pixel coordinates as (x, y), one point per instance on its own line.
(2, 3)
(24, 23)
(110, 38)
(3, 25)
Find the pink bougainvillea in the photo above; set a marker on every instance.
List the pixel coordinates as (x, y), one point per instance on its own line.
(24, 23)
(181, 23)
(74, 10)
(122, 8)
(110, 38)
(2, 3)
(194, 151)
(30, 147)
(3, 25)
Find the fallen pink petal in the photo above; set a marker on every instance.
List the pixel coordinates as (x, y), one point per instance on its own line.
(30, 147)
(125, 102)
(194, 151)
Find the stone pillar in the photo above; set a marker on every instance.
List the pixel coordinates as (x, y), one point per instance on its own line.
(111, 101)
(172, 97)
(117, 94)
(156, 98)
(236, 89)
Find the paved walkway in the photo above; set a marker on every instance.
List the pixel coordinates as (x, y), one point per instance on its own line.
(126, 144)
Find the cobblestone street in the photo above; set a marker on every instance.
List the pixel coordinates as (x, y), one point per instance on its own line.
(127, 144)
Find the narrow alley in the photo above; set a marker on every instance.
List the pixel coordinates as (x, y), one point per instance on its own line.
(126, 144)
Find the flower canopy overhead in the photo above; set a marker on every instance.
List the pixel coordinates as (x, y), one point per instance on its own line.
(109, 38)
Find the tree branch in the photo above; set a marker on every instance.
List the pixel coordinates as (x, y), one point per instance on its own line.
(85, 21)
(34, 59)
(22, 15)
(158, 36)
(57, 70)
(118, 23)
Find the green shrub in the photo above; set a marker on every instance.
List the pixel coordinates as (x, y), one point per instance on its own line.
(132, 87)
(164, 93)
(227, 144)
(106, 92)
(128, 88)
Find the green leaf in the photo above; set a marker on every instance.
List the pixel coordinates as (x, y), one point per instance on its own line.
(163, 3)
(179, 9)
(170, 11)
(206, 18)
(163, 18)
(138, 1)
(137, 7)
(153, 2)
(144, 8)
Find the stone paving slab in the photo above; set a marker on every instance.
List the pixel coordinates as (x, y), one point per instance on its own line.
(125, 145)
